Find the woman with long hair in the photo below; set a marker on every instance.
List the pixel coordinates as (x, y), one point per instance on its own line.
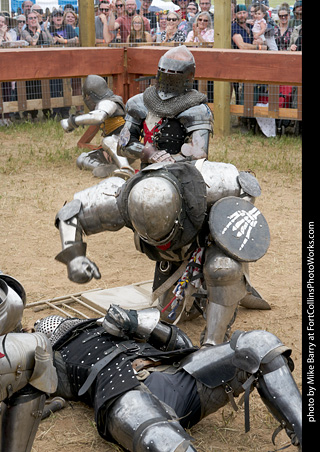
(282, 31)
(137, 31)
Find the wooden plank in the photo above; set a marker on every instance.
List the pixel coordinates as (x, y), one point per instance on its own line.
(87, 137)
(248, 100)
(227, 65)
(1, 100)
(273, 101)
(66, 62)
(46, 96)
(22, 96)
(67, 92)
(299, 102)
(284, 113)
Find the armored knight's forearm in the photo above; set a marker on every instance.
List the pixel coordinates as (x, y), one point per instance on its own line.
(93, 210)
(144, 324)
(105, 109)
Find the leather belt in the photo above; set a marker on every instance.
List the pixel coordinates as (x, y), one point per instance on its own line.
(123, 347)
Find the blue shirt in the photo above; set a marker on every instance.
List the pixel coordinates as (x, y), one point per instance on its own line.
(236, 29)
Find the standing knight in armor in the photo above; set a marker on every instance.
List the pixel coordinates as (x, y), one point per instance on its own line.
(27, 374)
(106, 110)
(195, 219)
(173, 119)
(147, 382)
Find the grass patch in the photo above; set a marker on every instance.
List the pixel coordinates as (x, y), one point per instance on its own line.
(258, 153)
(46, 144)
(37, 145)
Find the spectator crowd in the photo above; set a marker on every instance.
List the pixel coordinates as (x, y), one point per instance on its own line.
(120, 21)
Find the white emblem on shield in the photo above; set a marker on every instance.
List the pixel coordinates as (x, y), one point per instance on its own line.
(243, 222)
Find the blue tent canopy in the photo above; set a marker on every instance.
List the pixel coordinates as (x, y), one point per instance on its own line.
(15, 4)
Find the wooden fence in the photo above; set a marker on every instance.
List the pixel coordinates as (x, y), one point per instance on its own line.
(124, 65)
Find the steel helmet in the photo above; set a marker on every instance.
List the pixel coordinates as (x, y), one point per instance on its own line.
(154, 207)
(176, 70)
(95, 89)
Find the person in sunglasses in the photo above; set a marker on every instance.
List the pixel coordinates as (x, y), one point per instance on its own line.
(123, 24)
(120, 8)
(202, 29)
(21, 21)
(282, 31)
(104, 22)
(172, 33)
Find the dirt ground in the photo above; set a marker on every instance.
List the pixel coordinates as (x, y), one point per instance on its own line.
(29, 201)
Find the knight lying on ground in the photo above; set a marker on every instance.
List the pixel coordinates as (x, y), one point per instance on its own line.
(147, 382)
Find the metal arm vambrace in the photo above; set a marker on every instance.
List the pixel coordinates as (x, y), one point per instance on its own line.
(104, 109)
(91, 211)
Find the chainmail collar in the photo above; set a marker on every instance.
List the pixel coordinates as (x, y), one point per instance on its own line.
(170, 108)
(65, 327)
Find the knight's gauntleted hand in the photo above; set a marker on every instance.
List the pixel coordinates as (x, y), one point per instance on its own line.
(120, 322)
(150, 154)
(81, 270)
(69, 124)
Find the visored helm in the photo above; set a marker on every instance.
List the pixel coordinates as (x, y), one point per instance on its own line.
(95, 89)
(154, 207)
(176, 71)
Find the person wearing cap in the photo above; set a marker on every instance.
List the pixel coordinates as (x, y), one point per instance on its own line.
(68, 7)
(241, 32)
(20, 23)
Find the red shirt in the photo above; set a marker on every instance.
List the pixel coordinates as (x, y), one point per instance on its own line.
(125, 26)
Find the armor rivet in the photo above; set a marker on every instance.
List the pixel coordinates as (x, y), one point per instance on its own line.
(122, 381)
(112, 389)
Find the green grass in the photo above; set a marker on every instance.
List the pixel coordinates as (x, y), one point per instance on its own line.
(45, 144)
(37, 144)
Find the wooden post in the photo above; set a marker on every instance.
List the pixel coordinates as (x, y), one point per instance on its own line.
(87, 23)
(222, 40)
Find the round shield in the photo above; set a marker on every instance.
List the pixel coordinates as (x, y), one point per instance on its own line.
(239, 229)
(249, 184)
